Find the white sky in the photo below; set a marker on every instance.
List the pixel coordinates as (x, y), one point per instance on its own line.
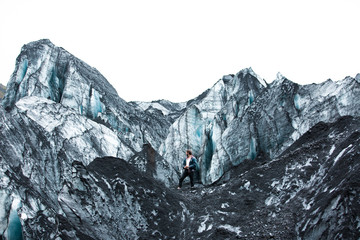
(174, 50)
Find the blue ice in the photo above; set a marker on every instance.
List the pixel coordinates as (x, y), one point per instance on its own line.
(23, 70)
(296, 101)
(14, 230)
(251, 97)
(252, 153)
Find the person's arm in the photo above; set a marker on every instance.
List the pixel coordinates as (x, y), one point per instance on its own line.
(192, 164)
(184, 163)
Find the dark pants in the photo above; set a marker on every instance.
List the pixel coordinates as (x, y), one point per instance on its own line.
(187, 172)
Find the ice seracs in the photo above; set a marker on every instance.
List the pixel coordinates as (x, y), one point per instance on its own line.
(206, 118)
(255, 120)
(74, 128)
(47, 71)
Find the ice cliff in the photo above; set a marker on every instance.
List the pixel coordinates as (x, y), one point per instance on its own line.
(241, 117)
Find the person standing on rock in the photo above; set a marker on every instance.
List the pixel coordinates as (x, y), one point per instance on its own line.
(189, 167)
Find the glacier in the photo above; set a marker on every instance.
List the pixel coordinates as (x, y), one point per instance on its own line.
(247, 119)
(79, 162)
(50, 72)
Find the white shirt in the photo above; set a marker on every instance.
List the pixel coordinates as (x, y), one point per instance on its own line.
(188, 161)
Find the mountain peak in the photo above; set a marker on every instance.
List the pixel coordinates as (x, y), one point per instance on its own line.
(279, 76)
(357, 78)
(280, 80)
(250, 71)
(45, 70)
(44, 41)
(39, 44)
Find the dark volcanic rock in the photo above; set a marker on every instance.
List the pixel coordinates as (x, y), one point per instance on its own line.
(310, 192)
(152, 163)
(115, 201)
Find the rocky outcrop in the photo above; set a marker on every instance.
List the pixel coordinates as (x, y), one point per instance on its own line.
(150, 162)
(309, 192)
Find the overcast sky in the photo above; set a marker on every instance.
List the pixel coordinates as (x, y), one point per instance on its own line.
(174, 50)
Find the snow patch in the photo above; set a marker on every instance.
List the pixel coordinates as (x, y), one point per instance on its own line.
(307, 206)
(308, 162)
(24, 216)
(202, 226)
(230, 228)
(305, 226)
(185, 212)
(225, 205)
(154, 212)
(332, 149)
(341, 154)
(270, 200)
(247, 185)
(335, 202)
(16, 204)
